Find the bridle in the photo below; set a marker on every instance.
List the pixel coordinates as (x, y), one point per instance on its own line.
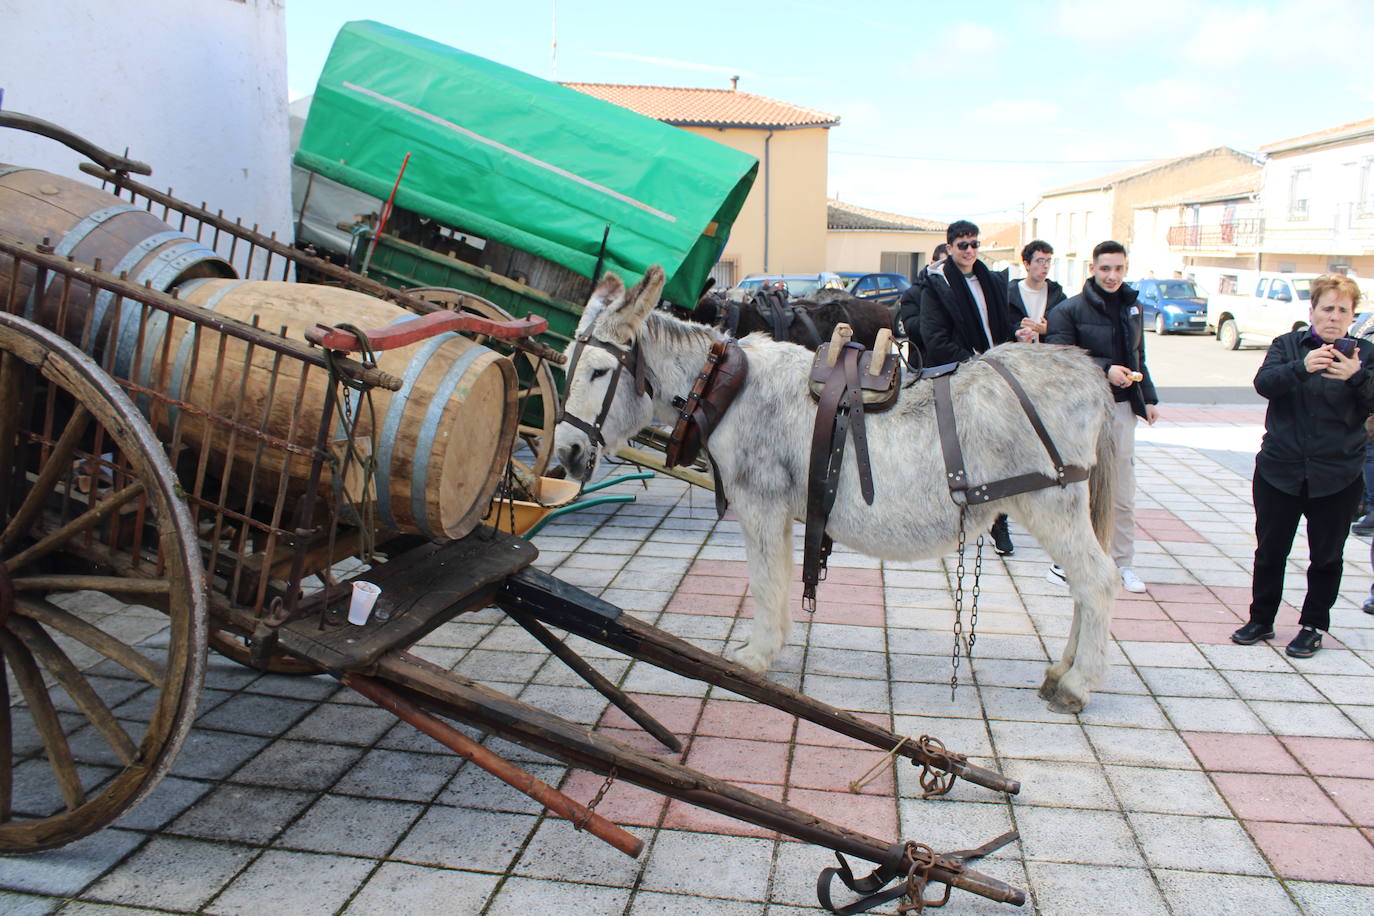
(631, 360)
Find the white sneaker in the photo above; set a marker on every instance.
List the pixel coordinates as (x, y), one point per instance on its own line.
(1130, 581)
(1056, 575)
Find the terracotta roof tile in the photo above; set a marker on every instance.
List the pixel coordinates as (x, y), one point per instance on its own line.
(686, 107)
(840, 215)
(1330, 133)
(1227, 189)
(1001, 235)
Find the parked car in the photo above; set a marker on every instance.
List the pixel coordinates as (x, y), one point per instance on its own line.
(1280, 304)
(880, 287)
(1172, 306)
(799, 286)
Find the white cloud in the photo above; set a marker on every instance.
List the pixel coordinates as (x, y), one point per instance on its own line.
(1017, 111)
(1125, 20)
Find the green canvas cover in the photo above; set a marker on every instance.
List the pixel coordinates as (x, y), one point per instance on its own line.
(520, 160)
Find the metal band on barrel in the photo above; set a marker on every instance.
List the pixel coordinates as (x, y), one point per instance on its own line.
(175, 383)
(419, 475)
(395, 411)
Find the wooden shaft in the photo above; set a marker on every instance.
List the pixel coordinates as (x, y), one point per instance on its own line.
(496, 765)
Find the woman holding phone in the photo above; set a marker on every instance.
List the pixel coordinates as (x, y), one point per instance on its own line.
(1310, 463)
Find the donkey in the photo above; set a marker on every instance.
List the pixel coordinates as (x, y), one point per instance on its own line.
(760, 448)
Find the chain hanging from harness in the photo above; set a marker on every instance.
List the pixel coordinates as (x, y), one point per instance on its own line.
(959, 642)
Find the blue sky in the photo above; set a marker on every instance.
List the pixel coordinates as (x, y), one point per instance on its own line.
(946, 110)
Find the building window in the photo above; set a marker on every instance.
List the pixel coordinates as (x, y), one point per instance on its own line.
(724, 275)
(1299, 189)
(1365, 203)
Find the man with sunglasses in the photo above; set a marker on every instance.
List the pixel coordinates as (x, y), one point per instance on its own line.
(964, 311)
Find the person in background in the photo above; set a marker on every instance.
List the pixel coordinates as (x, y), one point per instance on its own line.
(1034, 294)
(964, 311)
(1309, 465)
(1364, 525)
(909, 305)
(1105, 320)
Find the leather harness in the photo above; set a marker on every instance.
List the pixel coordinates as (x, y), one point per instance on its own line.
(772, 306)
(716, 386)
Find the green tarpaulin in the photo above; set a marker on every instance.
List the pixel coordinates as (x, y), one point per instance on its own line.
(521, 160)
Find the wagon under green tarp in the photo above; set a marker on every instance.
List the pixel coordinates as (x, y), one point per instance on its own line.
(522, 161)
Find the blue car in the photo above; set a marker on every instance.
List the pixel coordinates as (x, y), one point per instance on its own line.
(1172, 306)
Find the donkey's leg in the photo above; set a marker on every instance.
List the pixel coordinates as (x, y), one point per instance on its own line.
(768, 542)
(1059, 520)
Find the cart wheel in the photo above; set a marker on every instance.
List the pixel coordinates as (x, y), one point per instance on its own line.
(99, 695)
(538, 393)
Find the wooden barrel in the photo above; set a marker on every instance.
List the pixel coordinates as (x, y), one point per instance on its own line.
(442, 440)
(87, 224)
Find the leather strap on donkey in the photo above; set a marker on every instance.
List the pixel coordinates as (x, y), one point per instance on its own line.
(960, 489)
(699, 413)
(847, 381)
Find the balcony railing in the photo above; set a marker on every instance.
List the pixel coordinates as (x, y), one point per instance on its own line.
(1239, 233)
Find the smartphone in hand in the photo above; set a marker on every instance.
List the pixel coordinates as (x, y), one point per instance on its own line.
(1346, 346)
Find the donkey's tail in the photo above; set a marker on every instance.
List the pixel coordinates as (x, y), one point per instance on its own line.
(1102, 482)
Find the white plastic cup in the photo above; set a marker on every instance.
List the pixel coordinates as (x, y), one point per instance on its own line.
(360, 607)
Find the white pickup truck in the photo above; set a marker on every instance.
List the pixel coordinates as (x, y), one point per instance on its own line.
(1280, 304)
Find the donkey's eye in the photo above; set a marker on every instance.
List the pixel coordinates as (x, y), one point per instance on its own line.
(597, 373)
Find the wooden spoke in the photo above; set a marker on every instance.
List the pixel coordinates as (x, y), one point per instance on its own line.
(45, 649)
(57, 464)
(44, 719)
(83, 522)
(60, 540)
(50, 615)
(114, 584)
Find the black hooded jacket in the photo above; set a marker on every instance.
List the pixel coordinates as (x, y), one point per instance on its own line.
(951, 328)
(1052, 298)
(1085, 321)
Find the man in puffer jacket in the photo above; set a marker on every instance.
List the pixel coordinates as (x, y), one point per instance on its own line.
(1105, 320)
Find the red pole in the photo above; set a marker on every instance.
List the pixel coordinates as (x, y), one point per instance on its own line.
(386, 215)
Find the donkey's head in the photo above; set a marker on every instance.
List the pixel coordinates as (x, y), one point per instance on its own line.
(610, 387)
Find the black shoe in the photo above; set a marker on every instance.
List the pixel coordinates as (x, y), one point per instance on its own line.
(1364, 526)
(1001, 537)
(1252, 633)
(1306, 643)
(1368, 607)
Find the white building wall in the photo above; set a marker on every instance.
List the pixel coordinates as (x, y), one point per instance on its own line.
(195, 89)
(1337, 185)
(1073, 224)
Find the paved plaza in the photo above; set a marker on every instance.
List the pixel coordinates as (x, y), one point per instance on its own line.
(1203, 778)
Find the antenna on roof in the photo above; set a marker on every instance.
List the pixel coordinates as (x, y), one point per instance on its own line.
(734, 83)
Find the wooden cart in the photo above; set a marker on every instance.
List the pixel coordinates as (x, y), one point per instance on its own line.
(183, 506)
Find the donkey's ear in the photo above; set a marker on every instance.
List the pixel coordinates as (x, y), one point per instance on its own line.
(609, 293)
(623, 320)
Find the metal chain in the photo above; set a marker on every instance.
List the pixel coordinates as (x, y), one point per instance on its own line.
(923, 859)
(581, 822)
(958, 609)
(977, 590)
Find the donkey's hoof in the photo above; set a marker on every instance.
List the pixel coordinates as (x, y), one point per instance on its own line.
(1066, 703)
(1049, 687)
(751, 658)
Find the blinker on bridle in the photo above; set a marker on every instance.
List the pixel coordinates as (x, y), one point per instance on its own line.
(624, 359)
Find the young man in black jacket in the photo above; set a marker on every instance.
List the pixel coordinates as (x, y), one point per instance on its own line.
(964, 311)
(1035, 294)
(909, 305)
(1105, 320)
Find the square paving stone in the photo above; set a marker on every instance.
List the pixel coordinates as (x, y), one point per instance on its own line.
(170, 798)
(452, 837)
(1313, 852)
(1164, 791)
(1203, 714)
(1186, 682)
(305, 765)
(27, 904)
(1136, 710)
(397, 889)
(172, 874)
(1192, 893)
(943, 824)
(1241, 753)
(851, 693)
(210, 754)
(474, 787)
(1216, 844)
(343, 724)
(1061, 784)
(298, 883)
(1140, 746)
(1317, 720)
(1081, 837)
(1061, 888)
(1264, 797)
(352, 826)
(255, 714)
(248, 814)
(314, 689)
(1041, 741)
(1334, 756)
(522, 896)
(399, 775)
(1333, 899)
(559, 852)
(708, 865)
(68, 869)
(653, 903)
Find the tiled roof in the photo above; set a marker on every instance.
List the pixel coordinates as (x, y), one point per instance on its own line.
(1227, 189)
(1112, 179)
(707, 107)
(1000, 235)
(840, 215)
(1321, 136)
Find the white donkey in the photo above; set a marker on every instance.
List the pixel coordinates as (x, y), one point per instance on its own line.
(761, 450)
